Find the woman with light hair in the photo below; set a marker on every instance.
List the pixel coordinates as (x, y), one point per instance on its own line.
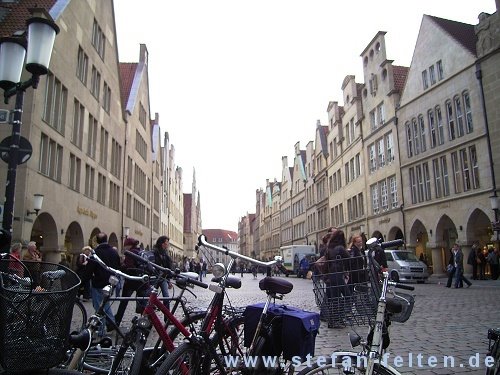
(81, 263)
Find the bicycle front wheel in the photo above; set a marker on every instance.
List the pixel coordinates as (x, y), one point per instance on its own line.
(186, 359)
(79, 317)
(346, 363)
(99, 360)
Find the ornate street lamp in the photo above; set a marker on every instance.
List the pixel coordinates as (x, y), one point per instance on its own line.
(37, 49)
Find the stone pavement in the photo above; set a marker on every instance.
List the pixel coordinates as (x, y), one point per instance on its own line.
(445, 322)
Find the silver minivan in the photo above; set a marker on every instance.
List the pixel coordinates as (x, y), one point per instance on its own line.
(403, 265)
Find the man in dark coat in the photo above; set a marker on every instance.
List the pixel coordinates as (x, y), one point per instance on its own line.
(99, 276)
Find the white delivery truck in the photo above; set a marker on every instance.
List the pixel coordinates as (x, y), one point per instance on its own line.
(293, 254)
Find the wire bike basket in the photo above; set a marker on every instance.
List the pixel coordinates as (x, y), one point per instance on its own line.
(344, 292)
(36, 307)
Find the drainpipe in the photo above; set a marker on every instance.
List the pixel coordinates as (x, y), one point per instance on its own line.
(479, 76)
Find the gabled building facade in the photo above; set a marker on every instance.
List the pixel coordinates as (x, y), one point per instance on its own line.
(382, 198)
(443, 139)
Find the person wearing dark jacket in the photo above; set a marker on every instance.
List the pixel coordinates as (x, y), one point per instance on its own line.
(99, 276)
(338, 260)
(163, 259)
(130, 267)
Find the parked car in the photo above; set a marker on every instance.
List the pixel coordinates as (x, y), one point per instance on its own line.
(403, 265)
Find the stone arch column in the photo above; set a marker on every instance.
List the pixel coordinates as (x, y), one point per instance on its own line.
(438, 268)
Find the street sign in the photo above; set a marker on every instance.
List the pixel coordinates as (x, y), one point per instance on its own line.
(4, 116)
(24, 152)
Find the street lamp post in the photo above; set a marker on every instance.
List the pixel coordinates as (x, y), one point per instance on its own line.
(37, 49)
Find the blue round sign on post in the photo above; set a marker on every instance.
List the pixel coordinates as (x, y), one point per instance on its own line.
(24, 152)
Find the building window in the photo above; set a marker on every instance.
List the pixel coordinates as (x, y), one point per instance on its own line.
(106, 99)
(451, 121)
(420, 182)
(92, 137)
(89, 181)
(56, 97)
(384, 195)
(116, 158)
(51, 155)
(457, 173)
(409, 140)
(444, 174)
(432, 128)
(361, 204)
(140, 145)
(468, 113)
(346, 168)
(413, 185)
(416, 136)
(371, 157)
(82, 66)
(393, 191)
(101, 188)
(474, 166)
(358, 164)
(95, 83)
(78, 123)
(425, 83)
(432, 76)
(439, 66)
(460, 116)
(103, 150)
(427, 181)
(437, 178)
(380, 152)
(440, 126)
(98, 39)
(389, 145)
(381, 114)
(464, 161)
(75, 165)
(142, 116)
(114, 196)
(375, 202)
(421, 125)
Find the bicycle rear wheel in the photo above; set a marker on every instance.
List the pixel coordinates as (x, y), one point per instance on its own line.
(345, 363)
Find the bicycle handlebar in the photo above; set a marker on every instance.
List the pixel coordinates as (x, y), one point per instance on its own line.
(374, 242)
(95, 257)
(168, 271)
(202, 241)
(402, 286)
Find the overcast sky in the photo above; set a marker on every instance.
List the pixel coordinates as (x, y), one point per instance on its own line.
(237, 82)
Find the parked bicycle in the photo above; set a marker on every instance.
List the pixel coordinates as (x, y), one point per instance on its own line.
(398, 308)
(263, 325)
(146, 360)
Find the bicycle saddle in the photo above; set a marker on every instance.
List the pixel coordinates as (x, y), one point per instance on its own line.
(233, 282)
(273, 285)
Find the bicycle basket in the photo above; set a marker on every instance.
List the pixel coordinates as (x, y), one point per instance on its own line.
(35, 324)
(407, 301)
(345, 294)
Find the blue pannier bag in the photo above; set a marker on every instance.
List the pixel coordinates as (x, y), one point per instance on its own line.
(298, 329)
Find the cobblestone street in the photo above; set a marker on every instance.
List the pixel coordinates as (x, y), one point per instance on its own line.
(445, 322)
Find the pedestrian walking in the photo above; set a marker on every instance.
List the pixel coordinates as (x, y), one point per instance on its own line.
(100, 277)
(163, 259)
(131, 267)
(457, 270)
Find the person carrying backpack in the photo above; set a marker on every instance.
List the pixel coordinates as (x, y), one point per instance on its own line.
(163, 259)
(130, 267)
